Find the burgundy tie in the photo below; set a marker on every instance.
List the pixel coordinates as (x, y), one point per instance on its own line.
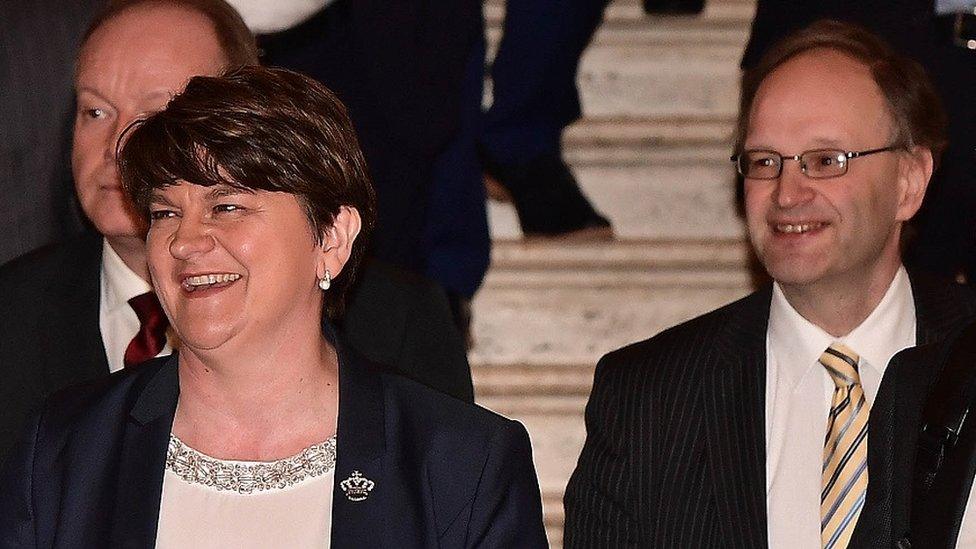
(152, 330)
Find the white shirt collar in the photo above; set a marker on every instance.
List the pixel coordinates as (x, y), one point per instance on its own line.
(119, 282)
(889, 328)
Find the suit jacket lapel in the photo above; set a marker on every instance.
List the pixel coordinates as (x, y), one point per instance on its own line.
(142, 460)
(360, 445)
(735, 422)
(74, 347)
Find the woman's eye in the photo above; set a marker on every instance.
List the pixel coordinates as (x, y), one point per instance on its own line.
(156, 215)
(226, 208)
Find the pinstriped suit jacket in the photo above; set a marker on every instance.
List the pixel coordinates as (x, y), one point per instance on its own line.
(675, 449)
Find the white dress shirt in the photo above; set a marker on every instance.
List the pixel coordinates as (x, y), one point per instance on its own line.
(798, 397)
(116, 318)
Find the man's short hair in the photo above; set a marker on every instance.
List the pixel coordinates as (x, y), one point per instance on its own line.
(236, 40)
(257, 128)
(913, 103)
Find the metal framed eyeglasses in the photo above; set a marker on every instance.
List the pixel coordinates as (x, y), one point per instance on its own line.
(816, 164)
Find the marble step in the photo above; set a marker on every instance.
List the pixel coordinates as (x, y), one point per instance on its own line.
(655, 178)
(654, 66)
(569, 303)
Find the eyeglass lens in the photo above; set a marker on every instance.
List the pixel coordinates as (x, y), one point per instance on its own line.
(821, 163)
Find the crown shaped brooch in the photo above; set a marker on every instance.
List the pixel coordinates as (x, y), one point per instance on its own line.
(357, 487)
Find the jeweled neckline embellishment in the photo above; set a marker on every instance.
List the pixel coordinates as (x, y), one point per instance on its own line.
(249, 477)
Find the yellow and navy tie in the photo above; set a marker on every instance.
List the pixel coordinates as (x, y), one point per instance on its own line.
(845, 463)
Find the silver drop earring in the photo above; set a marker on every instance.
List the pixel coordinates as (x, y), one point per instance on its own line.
(326, 281)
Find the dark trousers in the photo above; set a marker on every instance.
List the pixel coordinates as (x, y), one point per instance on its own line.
(534, 76)
(456, 236)
(534, 97)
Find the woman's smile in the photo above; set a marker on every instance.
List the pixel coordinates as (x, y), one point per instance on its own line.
(199, 283)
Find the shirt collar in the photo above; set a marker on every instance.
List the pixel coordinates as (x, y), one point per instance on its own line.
(119, 282)
(889, 328)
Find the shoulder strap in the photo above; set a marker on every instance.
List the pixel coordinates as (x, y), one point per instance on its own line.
(939, 452)
(946, 409)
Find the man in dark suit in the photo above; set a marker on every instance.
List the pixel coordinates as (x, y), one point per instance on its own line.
(936, 33)
(69, 311)
(713, 432)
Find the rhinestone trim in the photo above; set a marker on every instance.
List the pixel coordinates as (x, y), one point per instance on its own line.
(244, 477)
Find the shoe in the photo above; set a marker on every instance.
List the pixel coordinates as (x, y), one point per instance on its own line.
(548, 199)
(673, 7)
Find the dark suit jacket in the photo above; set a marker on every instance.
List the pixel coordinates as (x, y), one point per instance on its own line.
(89, 472)
(50, 338)
(38, 44)
(906, 24)
(896, 421)
(675, 452)
(399, 68)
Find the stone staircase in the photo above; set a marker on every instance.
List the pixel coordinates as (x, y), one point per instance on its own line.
(659, 97)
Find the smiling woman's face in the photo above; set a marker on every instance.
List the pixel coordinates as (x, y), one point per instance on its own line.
(231, 264)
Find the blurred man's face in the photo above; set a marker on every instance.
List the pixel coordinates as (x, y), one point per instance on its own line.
(131, 66)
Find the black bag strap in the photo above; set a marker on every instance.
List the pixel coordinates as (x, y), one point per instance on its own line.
(948, 407)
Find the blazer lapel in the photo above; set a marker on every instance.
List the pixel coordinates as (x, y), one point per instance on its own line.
(735, 423)
(142, 460)
(360, 445)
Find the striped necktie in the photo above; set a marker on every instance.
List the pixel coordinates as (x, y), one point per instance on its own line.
(845, 464)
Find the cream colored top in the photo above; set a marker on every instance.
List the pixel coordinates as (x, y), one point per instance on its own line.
(212, 503)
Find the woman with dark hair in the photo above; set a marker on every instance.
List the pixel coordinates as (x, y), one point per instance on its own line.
(264, 430)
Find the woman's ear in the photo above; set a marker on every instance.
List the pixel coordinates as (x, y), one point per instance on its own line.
(337, 241)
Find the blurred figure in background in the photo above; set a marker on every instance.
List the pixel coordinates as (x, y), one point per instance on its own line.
(399, 69)
(413, 79)
(534, 98)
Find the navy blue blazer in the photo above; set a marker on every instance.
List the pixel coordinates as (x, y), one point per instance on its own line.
(89, 469)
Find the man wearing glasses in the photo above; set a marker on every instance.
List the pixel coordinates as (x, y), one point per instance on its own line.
(747, 427)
